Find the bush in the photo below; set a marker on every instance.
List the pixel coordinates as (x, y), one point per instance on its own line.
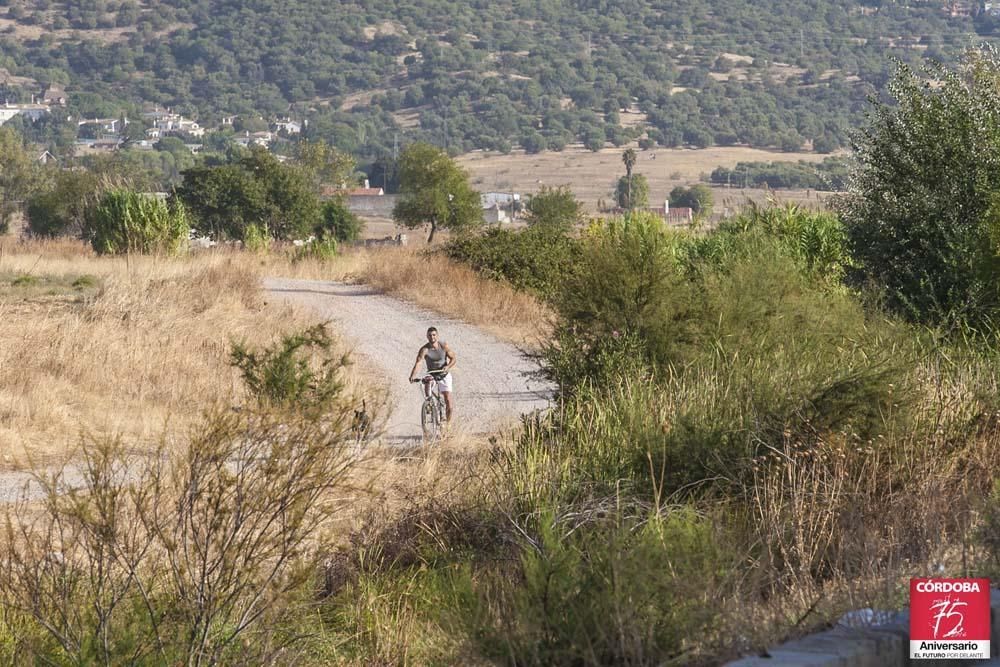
(60, 211)
(191, 557)
(627, 280)
(922, 214)
(125, 221)
(298, 373)
(600, 594)
(555, 208)
(316, 249)
(533, 259)
(339, 223)
(256, 238)
(815, 241)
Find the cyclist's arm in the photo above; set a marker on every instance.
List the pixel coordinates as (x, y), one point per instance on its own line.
(420, 357)
(450, 359)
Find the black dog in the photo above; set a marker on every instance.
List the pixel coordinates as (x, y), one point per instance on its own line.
(362, 423)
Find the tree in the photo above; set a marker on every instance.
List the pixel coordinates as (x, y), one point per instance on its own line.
(21, 175)
(628, 157)
(554, 208)
(253, 188)
(59, 211)
(698, 198)
(339, 222)
(923, 208)
(632, 192)
(324, 164)
(435, 191)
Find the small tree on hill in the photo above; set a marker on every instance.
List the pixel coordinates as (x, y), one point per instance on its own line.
(435, 191)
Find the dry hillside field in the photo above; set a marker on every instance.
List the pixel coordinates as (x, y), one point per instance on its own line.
(592, 176)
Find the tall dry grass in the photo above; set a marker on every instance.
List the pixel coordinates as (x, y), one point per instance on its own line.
(452, 289)
(147, 347)
(419, 275)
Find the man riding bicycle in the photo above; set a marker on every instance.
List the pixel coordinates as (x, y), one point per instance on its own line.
(440, 360)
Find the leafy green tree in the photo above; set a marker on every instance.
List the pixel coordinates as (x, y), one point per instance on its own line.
(554, 208)
(435, 191)
(923, 210)
(59, 211)
(21, 175)
(632, 192)
(339, 222)
(254, 188)
(324, 164)
(698, 198)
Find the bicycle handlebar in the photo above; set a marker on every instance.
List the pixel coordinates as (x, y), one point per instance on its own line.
(437, 375)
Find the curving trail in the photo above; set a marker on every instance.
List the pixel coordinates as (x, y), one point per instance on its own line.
(494, 383)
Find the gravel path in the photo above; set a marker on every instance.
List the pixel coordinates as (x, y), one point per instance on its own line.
(494, 382)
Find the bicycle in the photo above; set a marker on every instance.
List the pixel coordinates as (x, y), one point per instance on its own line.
(432, 413)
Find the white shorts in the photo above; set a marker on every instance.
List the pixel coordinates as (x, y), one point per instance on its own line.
(444, 384)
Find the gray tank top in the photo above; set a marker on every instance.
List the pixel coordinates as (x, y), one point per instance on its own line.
(436, 359)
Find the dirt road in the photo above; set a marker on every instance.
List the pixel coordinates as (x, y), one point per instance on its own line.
(494, 382)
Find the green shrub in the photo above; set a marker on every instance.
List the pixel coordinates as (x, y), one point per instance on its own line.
(626, 281)
(24, 280)
(717, 355)
(610, 591)
(257, 239)
(339, 223)
(316, 249)
(532, 259)
(297, 373)
(84, 282)
(126, 221)
(60, 210)
(816, 241)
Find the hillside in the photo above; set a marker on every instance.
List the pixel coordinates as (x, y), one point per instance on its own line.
(494, 75)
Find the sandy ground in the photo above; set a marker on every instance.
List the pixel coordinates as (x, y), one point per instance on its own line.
(494, 382)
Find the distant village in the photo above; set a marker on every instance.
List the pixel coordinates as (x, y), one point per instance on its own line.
(109, 134)
(104, 135)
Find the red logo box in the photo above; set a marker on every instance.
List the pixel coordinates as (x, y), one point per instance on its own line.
(949, 618)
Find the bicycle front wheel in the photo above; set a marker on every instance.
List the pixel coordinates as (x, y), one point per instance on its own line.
(430, 422)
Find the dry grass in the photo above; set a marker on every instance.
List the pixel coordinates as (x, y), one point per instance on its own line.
(592, 176)
(454, 290)
(430, 281)
(145, 347)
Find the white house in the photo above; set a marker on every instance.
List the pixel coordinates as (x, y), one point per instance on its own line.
(288, 125)
(32, 111)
